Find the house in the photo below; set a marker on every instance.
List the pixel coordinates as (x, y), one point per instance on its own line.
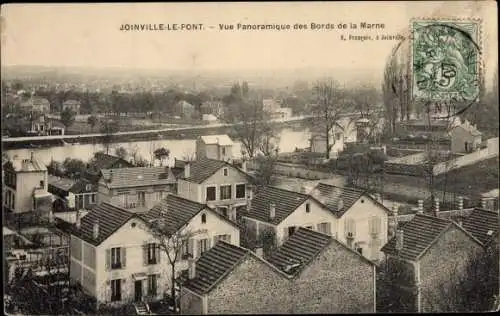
(104, 161)
(215, 108)
(438, 128)
(321, 271)
(270, 106)
(37, 124)
(219, 147)
(342, 132)
(25, 186)
(36, 104)
(136, 189)
(422, 256)
(209, 118)
(350, 215)
(220, 184)
(483, 225)
(72, 194)
(184, 109)
(73, 105)
(465, 138)
(228, 279)
(361, 220)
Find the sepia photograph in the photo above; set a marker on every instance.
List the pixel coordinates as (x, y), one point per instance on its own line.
(250, 158)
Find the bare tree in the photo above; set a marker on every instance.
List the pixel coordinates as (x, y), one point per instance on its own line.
(172, 244)
(330, 101)
(189, 156)
(365, 100)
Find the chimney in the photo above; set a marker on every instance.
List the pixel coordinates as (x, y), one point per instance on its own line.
(191, 268)
(110, 179)
(484, 203)
(78, 220)
(272, 210)
(187, 170)
(436, 206)
(399, 239)
(244, 165)
(420, 207)
(460, 203)
(95, 229)
(259, 251)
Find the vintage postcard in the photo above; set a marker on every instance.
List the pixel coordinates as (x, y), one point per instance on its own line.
(250, 158)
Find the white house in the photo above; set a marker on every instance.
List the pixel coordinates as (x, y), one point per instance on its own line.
(343, 131)
(465, 138)
(219, 147)
(350, 215)
(117, 260)
(220, 184)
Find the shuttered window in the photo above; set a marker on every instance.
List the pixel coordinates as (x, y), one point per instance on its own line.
(375, 225)
(325, 228)
(350, 227)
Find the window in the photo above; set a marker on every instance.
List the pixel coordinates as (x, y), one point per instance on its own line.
(203, 218)
(88, 187)
(308, 208)
(225, 172)
(152, 284)
(116, 260)
(223, 154)
(152, 250)
(360, 250)
(310, 227)
(116, 290)
(159, 195)
(202, 246)
(325, 228)
(240, 191)
(42, 183)
(211, 194)
(225, 192)
(339, 136)
(225, 237)
(141, 196)
(375, 224)
(93, 197)
(186, 249)
(291, 230)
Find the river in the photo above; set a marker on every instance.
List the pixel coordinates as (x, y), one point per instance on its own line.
(289, 140)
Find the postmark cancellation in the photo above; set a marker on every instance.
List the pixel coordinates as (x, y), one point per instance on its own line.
(446, 59)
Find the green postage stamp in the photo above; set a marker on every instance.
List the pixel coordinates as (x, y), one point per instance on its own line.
(446, 60)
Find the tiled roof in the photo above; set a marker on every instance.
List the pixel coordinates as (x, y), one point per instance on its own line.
(470, 128)
(214, 265)
(138, 176)
(202, 169)
(64, 184)
(176, 211)
(27, 165)
(81, 186)
(418, 235)
(337, 199)
(481, 222)
(223, 140)
(285, 202)
(105, 161)
(110, 218)
(299, 250)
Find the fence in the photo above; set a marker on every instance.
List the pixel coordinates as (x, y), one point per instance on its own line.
(489, 152)
(291, 170)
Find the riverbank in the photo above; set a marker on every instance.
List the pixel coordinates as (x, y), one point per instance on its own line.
(133, 136)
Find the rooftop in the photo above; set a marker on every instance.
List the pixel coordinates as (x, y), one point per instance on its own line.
(110, 218)
(214, 265)
(482, 224)
(337, 199)
(286, 202)
(300, 249)
(105, 161)
(64, 184)
(27, 165)
(137, 176)
(472, 129)
(175, 210)
(223, 140)
(419, 235)
(202, 169)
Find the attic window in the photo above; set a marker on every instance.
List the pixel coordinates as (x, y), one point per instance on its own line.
(203, 218)
(362, 200)
(133, 225)
(308, 208)
(225, 172)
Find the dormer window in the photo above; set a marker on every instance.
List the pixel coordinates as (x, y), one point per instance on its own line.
(203, 218)
(308, 208)
(225, 171)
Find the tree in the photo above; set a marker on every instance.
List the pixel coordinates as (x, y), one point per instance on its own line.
(266, 165)
(121, 152)
(73, 168)
(330, 99)
(108, 128)
(55, 168)
(92, 121)
(171, 244)
(472, 290)
(161, 154)
(68, 117)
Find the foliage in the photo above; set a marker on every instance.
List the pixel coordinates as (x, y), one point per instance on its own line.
(68, 117)
(264, 175)
(267, 240)
(121, 152)
(108, 128)
(395, 288)
(331, 101)
(161, 154)
(73, 168)
(92, 121)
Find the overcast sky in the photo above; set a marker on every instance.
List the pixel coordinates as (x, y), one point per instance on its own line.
(88, 35)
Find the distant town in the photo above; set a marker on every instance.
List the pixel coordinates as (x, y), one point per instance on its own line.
(153, 197)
